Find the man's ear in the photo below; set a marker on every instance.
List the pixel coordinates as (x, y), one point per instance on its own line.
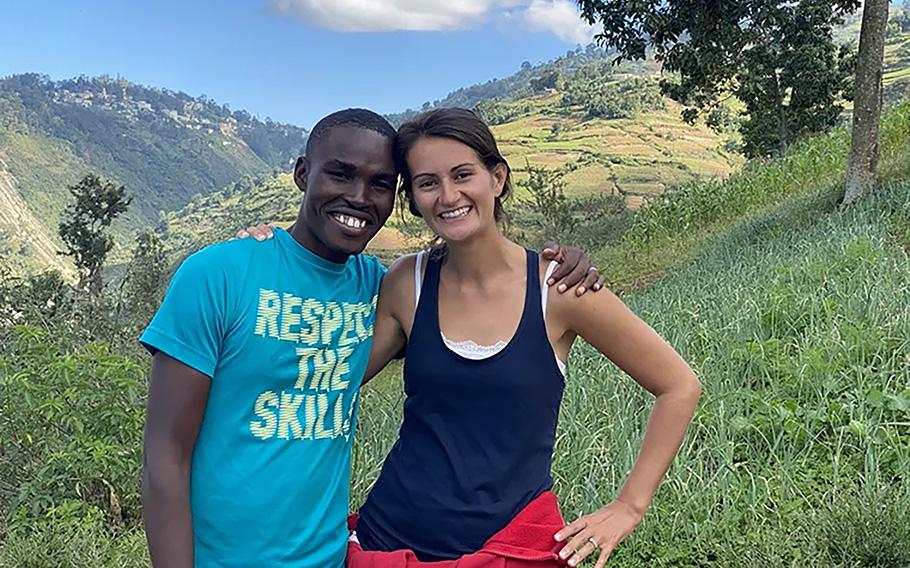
(301, 169)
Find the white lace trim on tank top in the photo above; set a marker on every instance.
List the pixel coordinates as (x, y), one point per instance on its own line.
(470, 349)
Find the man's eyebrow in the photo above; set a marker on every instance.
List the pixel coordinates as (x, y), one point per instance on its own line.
(336, 164)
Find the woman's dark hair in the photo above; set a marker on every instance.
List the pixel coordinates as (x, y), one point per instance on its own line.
(457, 124)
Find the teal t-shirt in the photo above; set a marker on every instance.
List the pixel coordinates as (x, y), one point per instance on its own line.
(285, 336)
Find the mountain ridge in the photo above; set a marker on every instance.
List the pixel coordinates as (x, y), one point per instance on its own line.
(166, 147)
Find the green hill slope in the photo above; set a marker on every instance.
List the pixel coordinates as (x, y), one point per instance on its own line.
(521, 83)
(165, 147)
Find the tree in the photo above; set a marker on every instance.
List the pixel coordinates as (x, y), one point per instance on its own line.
(83, 223)
(549, 79)
(778, 57)
(867, 105)
(548, 199)
(146, 279)
(494, 111)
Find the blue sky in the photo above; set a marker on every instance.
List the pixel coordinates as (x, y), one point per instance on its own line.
(292, 60)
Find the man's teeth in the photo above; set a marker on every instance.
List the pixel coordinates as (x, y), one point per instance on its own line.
(352, 222)
(456, 213)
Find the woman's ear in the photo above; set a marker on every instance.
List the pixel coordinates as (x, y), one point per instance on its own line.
(500, 172)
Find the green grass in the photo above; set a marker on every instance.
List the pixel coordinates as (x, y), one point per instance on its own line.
(794, 313)
(796, 320)
(665, 234)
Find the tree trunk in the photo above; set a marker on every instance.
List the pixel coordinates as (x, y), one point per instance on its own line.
(867, 101)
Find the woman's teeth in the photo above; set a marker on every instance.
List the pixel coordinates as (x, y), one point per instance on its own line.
(456, 213)
(351, 222)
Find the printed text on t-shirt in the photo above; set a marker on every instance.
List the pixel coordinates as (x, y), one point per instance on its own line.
(325, 333)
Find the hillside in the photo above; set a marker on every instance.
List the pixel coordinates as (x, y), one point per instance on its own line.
(606, 130)
(165, 147)
(896, 80)
(521, 83)
(629, 158)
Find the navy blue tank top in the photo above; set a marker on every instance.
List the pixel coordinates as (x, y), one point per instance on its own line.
(476, 443)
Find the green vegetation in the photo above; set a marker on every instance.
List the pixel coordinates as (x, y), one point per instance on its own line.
(600, 97)
(792, 311)
(664, 234)
(530, 80)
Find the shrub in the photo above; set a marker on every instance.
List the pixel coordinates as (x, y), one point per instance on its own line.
(71, 428)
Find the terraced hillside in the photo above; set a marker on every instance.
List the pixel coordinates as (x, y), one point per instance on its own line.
(896, 79)
(631, 157)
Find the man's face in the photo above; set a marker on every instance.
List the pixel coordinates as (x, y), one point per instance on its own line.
(349, 180)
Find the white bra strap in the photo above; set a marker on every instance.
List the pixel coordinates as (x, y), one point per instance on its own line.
(418, 264)
(545, 288)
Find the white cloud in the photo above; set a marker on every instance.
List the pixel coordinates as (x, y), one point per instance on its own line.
(385, 15)
(562, 18)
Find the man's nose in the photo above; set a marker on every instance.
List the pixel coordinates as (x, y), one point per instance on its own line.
(359, 196)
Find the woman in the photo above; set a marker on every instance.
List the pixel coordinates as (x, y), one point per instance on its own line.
(472, 460)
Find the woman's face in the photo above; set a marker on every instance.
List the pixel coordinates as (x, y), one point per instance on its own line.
(453, 190)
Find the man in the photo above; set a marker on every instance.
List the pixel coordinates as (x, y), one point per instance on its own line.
(259, 351)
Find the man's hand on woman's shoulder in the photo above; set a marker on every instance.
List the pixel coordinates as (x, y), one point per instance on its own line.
(575, 269)
(260, 232)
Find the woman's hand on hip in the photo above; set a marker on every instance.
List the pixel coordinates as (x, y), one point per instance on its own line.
(598, 534)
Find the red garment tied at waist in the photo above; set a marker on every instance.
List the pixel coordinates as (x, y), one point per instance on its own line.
(526, 542)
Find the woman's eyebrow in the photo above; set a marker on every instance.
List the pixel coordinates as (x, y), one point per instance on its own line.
(452, 169)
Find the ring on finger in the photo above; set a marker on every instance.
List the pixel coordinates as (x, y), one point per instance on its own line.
(593, 542)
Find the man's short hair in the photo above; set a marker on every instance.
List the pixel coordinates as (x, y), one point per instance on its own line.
(357, 117)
